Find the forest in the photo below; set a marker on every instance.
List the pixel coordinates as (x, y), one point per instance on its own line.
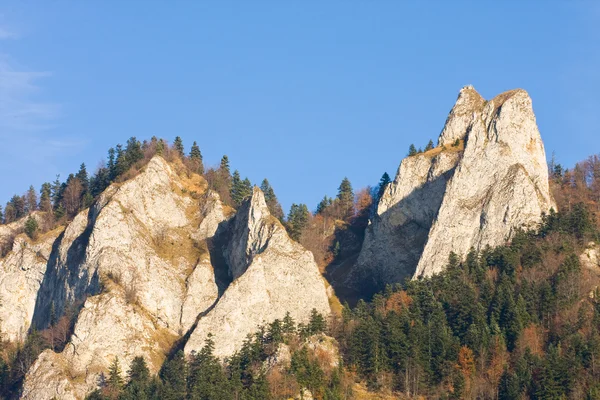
(520, 320)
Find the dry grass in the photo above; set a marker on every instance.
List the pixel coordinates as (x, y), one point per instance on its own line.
(448, 149)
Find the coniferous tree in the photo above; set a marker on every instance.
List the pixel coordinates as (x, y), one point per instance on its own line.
(196, 158)
(31, 227)
(323, 204)
(383, 182)
(178, 146)
(18, 204)
(297, 220)
(111, 164)
(317, 323)
(1, 216)
(56, 192)
(45, 197)
(114, 383)
(138, 384)
(31, 200)
(237, 189)
(271, 200)
(173, 374)
(429, 146)
(345, 197)
(82, 175)
(133, 151)
(412, 150)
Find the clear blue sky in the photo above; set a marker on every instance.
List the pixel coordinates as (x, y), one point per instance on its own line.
(303, 93)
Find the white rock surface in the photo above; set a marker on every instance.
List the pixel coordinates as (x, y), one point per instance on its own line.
(450, 199)
(590, 258)
(138, 242)
(21, 274)
(273, 275)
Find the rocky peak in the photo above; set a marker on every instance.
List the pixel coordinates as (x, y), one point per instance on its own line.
(454, 198)
(272, 275)
(252, 227)
(468, 106)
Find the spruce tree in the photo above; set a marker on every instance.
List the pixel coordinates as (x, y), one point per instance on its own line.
(115, 381)
(173, 374)
(82, 175)
(297, 220)
(196, 158)
(345, 197)
(133, 151)
(138, 385)
(323, 204)
(412, 150)
(237, 189)
(111, 165)
(31, 200)
(45, 197)
(56, 192)
(429, 146)
(31, 227)
(271, 200)
(383, 182)
(178, 146)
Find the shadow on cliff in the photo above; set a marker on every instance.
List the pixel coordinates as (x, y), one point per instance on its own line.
(63, 274)
(363, 273)
(216, 247)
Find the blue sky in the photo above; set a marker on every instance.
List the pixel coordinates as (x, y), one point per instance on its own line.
(303, 93)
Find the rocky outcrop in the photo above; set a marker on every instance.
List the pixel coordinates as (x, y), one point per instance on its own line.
(147, 265)
(590, 258)
(272, 275)
(146, 278)
(21, 274)
(487, 177)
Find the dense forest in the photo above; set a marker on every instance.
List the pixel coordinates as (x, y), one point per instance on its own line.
(518, 321)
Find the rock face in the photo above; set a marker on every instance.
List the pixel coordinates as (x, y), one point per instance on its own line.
(487, 177)
(21, 274)
(146, 279)
(272, 275)
(156, 258)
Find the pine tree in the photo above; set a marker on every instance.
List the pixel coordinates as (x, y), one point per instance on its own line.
(297, 220)
(383, 182)
(31, 200)
(346, 198)
(115, 381)
(138, 385)
(45, 197)
(196, 158)
(133, 151)
(56, 192)
(412, 150)
(31, 227)
(323, 204)
(178, 146)
(173, 374)
(111, 165)
(237, 189)
(317, 323)
(271, 200)
(429, 146)
(82, 175)
(289, 326)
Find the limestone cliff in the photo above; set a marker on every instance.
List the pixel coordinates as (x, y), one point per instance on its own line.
(156, 259)
(487, 177)
(272, 275)
(146, 278)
